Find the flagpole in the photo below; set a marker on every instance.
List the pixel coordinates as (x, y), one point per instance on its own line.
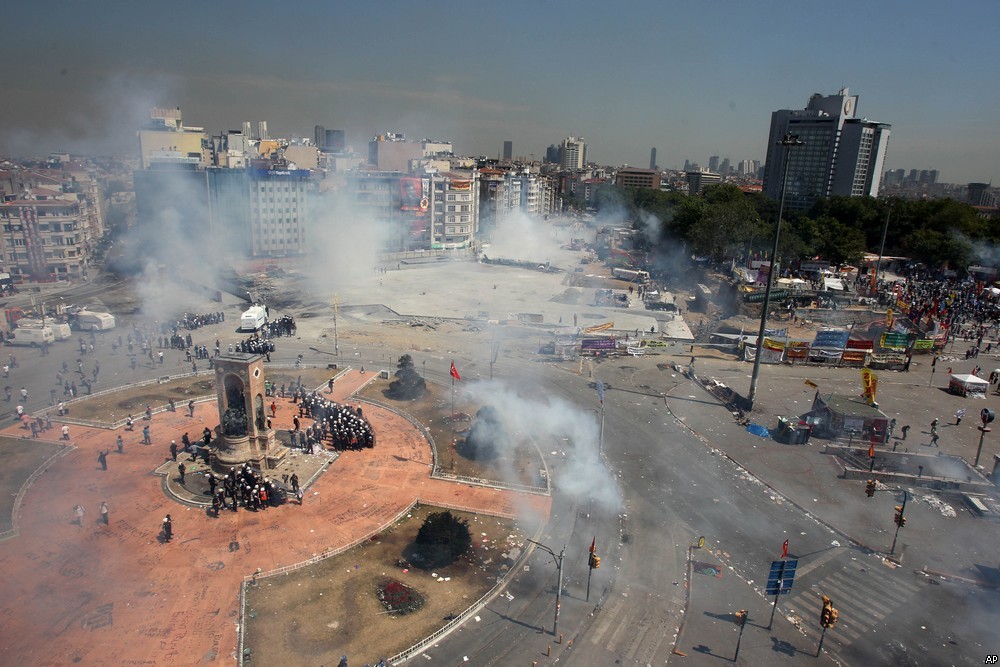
(453, 394)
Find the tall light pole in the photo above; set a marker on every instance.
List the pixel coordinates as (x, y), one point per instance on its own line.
(336, 340)
(788, 141)
(881, 249)
(559, 561)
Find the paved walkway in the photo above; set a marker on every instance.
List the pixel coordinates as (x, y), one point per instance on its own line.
(116, 595)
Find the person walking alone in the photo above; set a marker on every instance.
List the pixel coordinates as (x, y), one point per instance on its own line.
(168, 528)
(104, 512)
(102, 458)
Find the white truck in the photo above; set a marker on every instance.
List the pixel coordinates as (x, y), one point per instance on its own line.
(89, 320)
(631, 275)
(60, 330)
(32, 337)
(253, 318)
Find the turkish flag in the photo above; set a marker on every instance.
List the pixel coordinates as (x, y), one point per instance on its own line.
(454, 372)
(871, 451)
(784, 549)
(593, 545)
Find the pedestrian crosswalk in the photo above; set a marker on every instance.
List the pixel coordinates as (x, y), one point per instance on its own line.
(864, 598)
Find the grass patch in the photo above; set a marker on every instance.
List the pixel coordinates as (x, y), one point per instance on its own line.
(314, 615)
(18, 459)
(519, 464)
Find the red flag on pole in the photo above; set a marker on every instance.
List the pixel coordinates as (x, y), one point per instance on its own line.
(454, 372)
(593, 545)
(784, 549)
(871, 451)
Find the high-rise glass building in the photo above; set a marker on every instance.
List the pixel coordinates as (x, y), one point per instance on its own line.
(841, 154)
(574, 153)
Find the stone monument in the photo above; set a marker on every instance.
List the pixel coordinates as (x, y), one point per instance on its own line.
(244, 435)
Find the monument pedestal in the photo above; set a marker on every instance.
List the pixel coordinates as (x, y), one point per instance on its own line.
(243, 433)
(262, 451)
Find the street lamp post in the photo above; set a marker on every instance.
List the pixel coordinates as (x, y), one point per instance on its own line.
(881, 250)
(788, 141)
(336, 340)
(559, 562)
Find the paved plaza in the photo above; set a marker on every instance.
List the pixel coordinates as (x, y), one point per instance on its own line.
(89, 593)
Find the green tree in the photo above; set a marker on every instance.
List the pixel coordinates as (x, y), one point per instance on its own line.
(839, 242)
(441, 540)
(726, 228)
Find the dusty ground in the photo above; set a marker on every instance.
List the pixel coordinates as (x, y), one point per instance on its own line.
(315, 615)
(18, 459)
(133, 400)
(433, 409)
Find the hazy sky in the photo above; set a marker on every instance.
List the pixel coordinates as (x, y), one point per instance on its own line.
(693, 79)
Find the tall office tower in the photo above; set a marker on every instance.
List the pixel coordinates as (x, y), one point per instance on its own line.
(336, 141)
(713, 164)
(552, 154)
(319, 136)
(262, 130)
(980, 195)
(724, 167)
(574, 153)
(913, 177)
(687, 165)
(247, 134)
(841, 153)
(508, 150)
(652, 158)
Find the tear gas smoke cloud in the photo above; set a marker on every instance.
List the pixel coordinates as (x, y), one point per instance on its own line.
(520, 236)
(650, 226)
(554, 425)
(344, 240)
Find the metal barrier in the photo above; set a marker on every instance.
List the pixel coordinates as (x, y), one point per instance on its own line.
(513, 486)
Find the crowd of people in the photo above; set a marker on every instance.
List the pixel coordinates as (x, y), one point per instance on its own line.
(248, 487)
(192, 321)
(253, 345)
(283, 326)
(960, 306)
(344, 426)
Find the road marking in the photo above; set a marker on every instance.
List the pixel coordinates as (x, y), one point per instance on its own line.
(608, 614)
(822, 559)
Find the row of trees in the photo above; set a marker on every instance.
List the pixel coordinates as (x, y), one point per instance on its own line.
(724, 222)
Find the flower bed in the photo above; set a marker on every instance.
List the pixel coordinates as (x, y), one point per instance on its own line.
(397, 597)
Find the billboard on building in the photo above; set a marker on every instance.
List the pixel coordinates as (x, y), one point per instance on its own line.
(411, 195)
(461, 185)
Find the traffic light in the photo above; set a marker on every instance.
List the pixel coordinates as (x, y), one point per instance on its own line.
(898, 518)
(870, 488)
(828, 615)
(595, 561)
(740, 617)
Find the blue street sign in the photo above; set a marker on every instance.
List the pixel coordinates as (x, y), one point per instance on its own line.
(781, 577)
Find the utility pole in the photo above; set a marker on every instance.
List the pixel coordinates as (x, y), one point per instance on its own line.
(559, 562)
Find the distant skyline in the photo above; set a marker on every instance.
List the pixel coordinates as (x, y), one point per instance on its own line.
(691, 79)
